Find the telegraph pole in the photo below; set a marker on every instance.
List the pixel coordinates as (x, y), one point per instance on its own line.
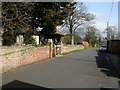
(107, 30)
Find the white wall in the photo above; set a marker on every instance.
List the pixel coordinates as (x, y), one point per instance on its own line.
(20, 40)
(36, 39)
(1, 32)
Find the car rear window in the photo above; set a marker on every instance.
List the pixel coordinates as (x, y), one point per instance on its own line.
(104, 46)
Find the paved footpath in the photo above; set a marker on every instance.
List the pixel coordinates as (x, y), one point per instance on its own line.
(76, 70)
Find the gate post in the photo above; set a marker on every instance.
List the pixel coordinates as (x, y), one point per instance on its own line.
(54, 50)
(51, 49)
(60, 48)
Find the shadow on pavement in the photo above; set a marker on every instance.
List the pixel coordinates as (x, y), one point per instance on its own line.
(20, 84)
(16, 84)
(107, 89)
(105, 65)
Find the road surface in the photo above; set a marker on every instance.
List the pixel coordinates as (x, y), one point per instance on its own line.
(85, 69)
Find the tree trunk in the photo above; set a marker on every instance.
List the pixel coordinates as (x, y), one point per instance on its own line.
(71, 33)
(72, 39)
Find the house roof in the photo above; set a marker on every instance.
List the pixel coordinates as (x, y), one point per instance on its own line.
(55, 33)
(58, 32)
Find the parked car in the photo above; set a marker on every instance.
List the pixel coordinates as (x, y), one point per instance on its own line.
(103, 48)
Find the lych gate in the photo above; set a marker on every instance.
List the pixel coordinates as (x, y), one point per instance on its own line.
(53, 38)
(54, 41)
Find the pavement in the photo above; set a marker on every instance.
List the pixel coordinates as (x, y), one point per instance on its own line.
(84, 69)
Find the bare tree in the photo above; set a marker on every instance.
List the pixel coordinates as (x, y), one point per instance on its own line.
(77, 16)
(112, 32)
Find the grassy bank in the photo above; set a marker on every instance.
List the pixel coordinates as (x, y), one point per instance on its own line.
(78, 50)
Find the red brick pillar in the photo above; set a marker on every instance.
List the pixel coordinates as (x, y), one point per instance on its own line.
(54, 50)
(51, 50)
(60, 47)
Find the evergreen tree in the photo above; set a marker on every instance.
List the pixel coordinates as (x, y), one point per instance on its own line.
(23, 17)
(16, 20)
(50, 14)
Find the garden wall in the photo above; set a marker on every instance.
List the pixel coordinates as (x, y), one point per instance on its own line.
(69, 48)
(23, 57)
(11, 60)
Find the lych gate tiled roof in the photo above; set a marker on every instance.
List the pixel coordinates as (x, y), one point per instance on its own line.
(58, 32)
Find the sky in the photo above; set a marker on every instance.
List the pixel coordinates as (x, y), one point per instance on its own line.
(102, 11)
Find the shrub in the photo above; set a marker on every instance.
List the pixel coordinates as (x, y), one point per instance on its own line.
(9, 38)
(28, 39)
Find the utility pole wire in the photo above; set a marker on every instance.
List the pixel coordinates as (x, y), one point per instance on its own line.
(108, 36)
(111, 11)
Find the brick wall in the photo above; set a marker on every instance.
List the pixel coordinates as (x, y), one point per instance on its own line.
(69, 48)
(23, 57)
(27, 56)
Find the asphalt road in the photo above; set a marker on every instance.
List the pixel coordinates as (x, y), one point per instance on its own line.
(85, 69)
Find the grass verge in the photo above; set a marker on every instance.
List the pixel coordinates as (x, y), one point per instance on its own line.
(78, 50)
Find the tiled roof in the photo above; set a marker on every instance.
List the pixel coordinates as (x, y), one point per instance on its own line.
(58, 32)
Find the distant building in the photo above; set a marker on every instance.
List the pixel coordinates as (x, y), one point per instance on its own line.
(84, 43)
